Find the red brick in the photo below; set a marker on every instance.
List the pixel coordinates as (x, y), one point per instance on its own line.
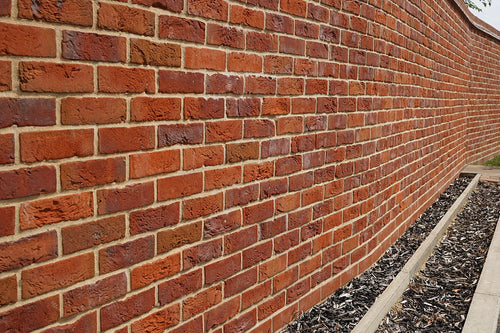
(181, 82)
(89, 110)
(241, 239)
(226, 36)
(307, 29)
(179, 186)
(159, 321)
(278, 65)
(300, 181)
(260, 41)
(92, 295)
(258, 212)
(175, 288)
(297, 290)
(292, 45)
(70, 207)
(23, 40)
(290, 86)
(299, 218)
(222, 313)
(221, 224)
(237, 152)
(86, 323)
(77, 12)
(119, 199)
(215, 9)
(126, 254)
(254, 295)
(242, 195)
(179, 28)
(287, 203)
(223, 177)
(8, 290)
(280, 23)
(257, 171)
(295, 7)
(87, 235)
(203, 156)
(201, 253)
(271, 306)
(42, 313)
(119, 312)
(28, 250)
(285, 279)
(202, 301)
(94, 172)
(275, 147)
(147, 164)
(153, 218)
(204, 58)
(275, 105)
(7, 221)
(5, 8)
(128, 19)
(150, 272)
(242, 323)
(50, 145)
(154, 109)
(126, 80)
(63, 273)
(256, 128)
(172, 5)
(247, 16)
(273, 187)
(320, 86)
(223, 84)
(5, 75)
(95, 47)
(203, 108)
(257, 253)
(193, 208)
(240, 282)
(176, 237)
(244, 62)
(169, 135)
(55, 77)
(287, 165)
(222, 269)
(243, 107)
(28, 181)
(260, 85)
(195, 325)
(155, 54)
(223, 130)
(118, 139)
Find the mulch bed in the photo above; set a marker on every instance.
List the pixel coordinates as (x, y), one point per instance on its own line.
(345, 308)
(439, 296)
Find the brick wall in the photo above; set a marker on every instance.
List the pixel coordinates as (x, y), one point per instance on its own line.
(223, 165)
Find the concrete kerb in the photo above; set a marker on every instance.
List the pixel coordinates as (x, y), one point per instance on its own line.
(485, 306)
(371, 320)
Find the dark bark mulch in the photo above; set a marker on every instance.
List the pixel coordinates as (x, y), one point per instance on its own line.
(345, 308)
(439, 296)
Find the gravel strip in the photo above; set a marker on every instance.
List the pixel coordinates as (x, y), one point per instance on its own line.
(345, 308)
(439, 296)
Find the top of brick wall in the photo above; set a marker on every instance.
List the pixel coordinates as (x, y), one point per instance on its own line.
(477, 22)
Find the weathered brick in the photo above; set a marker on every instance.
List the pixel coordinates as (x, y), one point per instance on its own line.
(156, 54)
(222, 269)
(179, 186)
(95, 47)
(112, 139)
(8, 290)
(119, 312)
(201, 301)
(172, 5)
(155, 108)
(42, 313)
(69, 207)
(175, 288)
(63, 273)
(86, 323)
(90, 234)
(176, 237)
(55, 77)
(92, 295)
(89, 110)
(28, 181)
(7, 220)
(150, 272)
(23, 40)
(222, 313)
(119, 199)
(147, 164)
(203, 108)
(126, 80)
(193, 208)
(203, 252)
(224, 84)
(126, 254)
(226, 36)
(217, 9)
(180, 28)
(204, 58)
(153, 218)
(5, 75)
(77, 12)
(91, 173)
(244, 62)
(122, 18)
(236, 152)
(159, 321)
(221, 224)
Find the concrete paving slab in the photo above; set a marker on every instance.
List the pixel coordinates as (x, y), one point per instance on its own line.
(488, 173)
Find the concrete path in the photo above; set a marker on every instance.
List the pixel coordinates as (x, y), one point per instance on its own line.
(488, 173)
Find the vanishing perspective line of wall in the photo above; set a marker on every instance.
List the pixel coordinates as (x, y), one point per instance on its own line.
(223, 165)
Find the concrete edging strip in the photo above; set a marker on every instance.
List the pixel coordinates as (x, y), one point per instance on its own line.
(371, 320)
(485, 305)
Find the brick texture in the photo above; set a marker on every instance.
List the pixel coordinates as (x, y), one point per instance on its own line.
(222, 166)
